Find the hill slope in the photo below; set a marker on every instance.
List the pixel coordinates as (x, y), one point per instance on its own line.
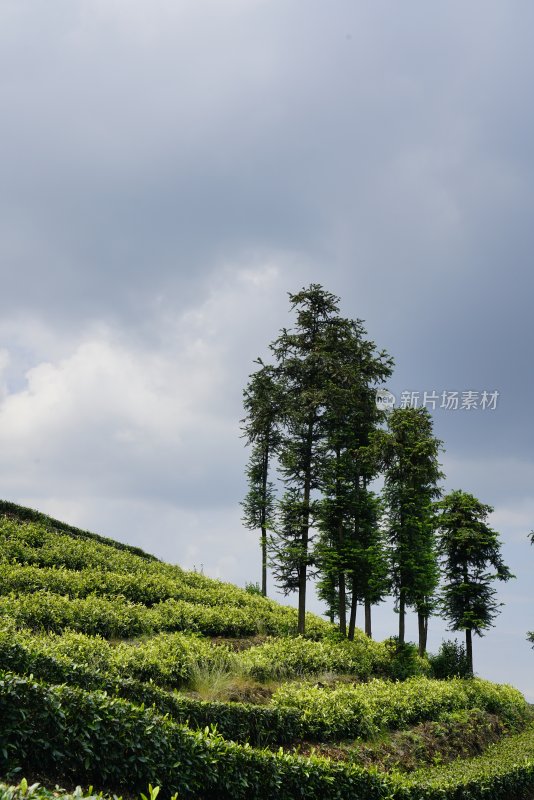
(115, 668)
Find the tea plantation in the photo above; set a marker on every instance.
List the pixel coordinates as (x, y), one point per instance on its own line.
(119, 672)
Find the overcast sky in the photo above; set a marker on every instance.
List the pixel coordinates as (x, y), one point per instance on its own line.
(170, 169)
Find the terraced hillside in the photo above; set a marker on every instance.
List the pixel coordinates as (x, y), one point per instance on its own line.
(118, 671)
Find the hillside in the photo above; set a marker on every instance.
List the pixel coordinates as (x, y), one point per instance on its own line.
(119, 671)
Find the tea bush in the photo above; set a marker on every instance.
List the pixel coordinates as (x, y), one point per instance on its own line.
(291, 658)
(112, 744)
(363, 710)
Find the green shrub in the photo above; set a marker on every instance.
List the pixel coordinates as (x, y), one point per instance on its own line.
(290, 658)
(25, 791)
(44, 610)
(450, 661)
(46, 659)
(11, 511)
(91, 738)
(404, 660)
(363, 710)
(170, 659)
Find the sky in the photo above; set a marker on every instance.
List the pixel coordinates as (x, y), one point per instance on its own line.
(171, 169)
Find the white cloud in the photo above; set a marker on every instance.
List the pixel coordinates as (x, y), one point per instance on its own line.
(113, 412)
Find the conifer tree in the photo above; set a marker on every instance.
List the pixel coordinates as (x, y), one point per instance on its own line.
(304, 361)
(471, 557)
(348, 545)
(409, 454)
(261, 429)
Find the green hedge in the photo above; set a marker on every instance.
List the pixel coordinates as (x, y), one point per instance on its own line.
(35, 559)
(505, 771)
(241, 722)
(119, 618)
(364, 710)
(23, 514)
(282, 658)
(25, 791)
(69, 734)
(297, 712)
(90, 738)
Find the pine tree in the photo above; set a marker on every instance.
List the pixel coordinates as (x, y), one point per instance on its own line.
(261, 429)
(304, 361)
(351, 413)
(288, 558)
(469, 548)
(409, 453)
(368, 571)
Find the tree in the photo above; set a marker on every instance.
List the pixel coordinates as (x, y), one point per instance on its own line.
(469, 548)
(304, 362)
(409, 452)
(344, 551)
(261, 429)
(288, 558)
(368, 573)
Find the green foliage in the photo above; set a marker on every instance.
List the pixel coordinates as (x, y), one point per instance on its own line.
(456, 734)
(22, 514)
(261, 427)
(167, 659)
(504, 771)
(253, 588)
(106, 742)
(409, 453)
(24, 791)
(291, 658)
(108, 712)
(363, 710)
(43, 610)
(469, 549)
(170, 659)
(96, 739)
(450, 661)
(52, 581)
(404, 660)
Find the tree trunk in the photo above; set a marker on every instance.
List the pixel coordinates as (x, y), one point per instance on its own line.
(342, 595)
(469, 649)
(352, 618)
(368, 629)
(402, 617)
(342, 604)
(303, 576)
(264, 560)
(423, 632)
(264, 481)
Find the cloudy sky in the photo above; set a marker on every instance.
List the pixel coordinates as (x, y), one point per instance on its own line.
(171, 169)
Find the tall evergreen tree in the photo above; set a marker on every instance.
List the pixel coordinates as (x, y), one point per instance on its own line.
(469, 548)
(368, 572)
(261, 430)
(305, 360)
(409, 453)
(351, 413)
